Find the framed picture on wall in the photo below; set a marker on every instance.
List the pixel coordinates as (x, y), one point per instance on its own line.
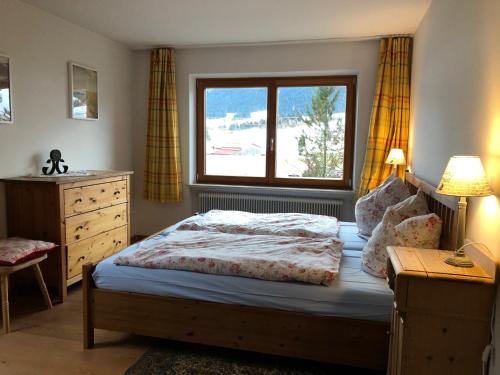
(5, 90)
(83, 92)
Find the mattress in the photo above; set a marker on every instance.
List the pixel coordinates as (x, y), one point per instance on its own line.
(348, 233)
(354, 294)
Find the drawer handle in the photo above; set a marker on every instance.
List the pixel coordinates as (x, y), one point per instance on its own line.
(79, 200)
(116, 192)
(103, 190)
(77, 237)
(118, 216)
(81, 258)
(80, 227)
(93, 200)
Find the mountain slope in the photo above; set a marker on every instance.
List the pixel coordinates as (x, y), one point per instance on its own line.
(243, 101)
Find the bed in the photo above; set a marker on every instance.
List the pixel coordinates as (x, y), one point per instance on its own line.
(347, 323)
(354, 294)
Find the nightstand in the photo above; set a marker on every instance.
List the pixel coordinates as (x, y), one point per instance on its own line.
(441, 314)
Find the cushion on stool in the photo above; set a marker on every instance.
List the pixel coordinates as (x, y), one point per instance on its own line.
(17, 250)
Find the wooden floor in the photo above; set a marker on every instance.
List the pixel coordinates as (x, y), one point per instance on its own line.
(50, 342)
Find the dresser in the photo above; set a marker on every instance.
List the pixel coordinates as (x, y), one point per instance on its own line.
(89, 217)
(441, 314)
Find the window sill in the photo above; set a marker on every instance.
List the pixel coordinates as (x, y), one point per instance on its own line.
(273, 190)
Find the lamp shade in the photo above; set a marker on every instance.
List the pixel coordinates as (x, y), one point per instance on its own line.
(464, 176)
(396, 157)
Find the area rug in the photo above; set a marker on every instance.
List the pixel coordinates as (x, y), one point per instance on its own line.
(171, 358)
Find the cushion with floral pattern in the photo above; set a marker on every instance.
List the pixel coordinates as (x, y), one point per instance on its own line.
(17, 250)
(423, 231)
(412, 206)
(371, 208)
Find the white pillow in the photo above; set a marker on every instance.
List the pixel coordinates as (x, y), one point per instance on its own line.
(422, 231)
(371, 208)
(412, 206)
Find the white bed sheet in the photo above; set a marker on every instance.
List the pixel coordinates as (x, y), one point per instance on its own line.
(355, 294)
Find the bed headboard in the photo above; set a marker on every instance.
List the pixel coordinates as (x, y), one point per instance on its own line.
(446, 207)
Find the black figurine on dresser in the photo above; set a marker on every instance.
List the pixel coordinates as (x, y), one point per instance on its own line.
(55, 159)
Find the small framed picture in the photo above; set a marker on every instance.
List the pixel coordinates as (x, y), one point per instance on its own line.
(83, 92)
(5, 90)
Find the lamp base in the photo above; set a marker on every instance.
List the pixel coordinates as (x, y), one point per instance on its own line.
(460, 260)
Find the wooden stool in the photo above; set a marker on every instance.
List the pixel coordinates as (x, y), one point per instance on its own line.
(5, 271)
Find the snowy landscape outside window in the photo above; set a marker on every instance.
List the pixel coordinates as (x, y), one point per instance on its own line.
(276, 131)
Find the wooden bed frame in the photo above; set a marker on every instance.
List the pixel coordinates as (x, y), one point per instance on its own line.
(354, 342)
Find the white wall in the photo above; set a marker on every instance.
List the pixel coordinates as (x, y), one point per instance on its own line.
(456, 103)
(40, 46)
(359, 57)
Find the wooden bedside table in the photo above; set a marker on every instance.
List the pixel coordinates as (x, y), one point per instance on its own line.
(441, 315)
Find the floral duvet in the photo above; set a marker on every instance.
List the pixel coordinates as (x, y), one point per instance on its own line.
(281, 224)
(268, 257)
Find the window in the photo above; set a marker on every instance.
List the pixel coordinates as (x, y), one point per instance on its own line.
(296, 131)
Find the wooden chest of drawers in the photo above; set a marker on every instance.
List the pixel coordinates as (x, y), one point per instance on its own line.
(89, 217)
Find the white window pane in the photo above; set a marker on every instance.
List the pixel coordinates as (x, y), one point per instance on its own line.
(310, 132)
(236, 131)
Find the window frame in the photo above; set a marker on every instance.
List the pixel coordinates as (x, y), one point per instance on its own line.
(272, 84)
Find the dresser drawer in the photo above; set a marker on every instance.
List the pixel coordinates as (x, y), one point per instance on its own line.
(95, 249)
(87, 225)
(93, 197)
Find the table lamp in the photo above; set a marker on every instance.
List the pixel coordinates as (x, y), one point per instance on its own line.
(463, 177)
(396, 157)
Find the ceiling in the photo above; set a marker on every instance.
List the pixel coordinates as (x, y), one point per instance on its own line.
(179, 23)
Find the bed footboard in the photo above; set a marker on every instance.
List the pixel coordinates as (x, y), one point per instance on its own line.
(344, 341)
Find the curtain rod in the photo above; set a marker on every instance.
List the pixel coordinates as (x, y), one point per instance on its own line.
(284, 42)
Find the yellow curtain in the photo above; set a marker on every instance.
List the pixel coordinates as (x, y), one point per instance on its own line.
(389, 124)
(162, 175)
